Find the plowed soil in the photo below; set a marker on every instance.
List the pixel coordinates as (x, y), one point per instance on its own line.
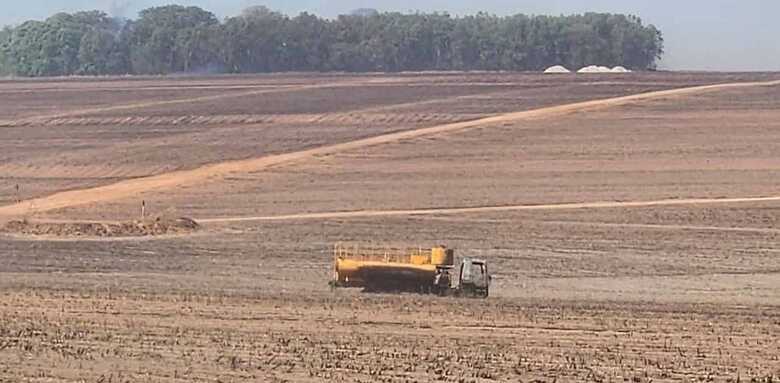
(631, 238)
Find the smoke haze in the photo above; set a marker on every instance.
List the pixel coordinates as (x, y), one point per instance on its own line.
(120, 8)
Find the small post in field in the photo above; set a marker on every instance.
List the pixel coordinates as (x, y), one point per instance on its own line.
(143, 210)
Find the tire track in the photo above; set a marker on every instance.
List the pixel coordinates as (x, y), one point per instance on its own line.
(375, 114)
(141, 105)
(672, 227)
(61, 89)
(134, 187)
(355, 117)
(487, 209)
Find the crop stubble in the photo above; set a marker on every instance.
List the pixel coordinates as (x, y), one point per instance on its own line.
(644, 293)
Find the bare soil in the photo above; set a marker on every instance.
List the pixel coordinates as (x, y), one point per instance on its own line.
(630, 240)
(183, 178)
(66, 145)
(701, 148)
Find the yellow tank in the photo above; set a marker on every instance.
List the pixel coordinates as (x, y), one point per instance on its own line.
(442, 256)
(388, 269)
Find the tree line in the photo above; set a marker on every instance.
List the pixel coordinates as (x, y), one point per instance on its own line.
(178, 39)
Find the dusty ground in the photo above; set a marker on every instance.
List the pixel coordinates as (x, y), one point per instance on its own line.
(107, 337)
(117, 130)
(667, 270)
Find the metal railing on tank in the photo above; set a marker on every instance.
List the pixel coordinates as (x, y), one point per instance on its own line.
(387, 254)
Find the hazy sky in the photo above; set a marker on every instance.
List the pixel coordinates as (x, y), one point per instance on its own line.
(700, 34)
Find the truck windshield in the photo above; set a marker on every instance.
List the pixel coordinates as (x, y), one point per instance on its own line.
(478, 271)
(473, 272)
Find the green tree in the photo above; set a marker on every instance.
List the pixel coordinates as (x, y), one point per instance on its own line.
(169, 39)
(306, 43)
(100, 51)
(25, 52)
(256, 41)
(5, 39)
(175, 38)
(54, 47)
(98, 54)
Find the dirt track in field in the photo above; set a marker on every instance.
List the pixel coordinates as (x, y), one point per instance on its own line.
(671, 227)
(491, 209)
(134, 186)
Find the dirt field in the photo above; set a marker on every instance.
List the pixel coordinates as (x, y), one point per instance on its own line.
(631, 239)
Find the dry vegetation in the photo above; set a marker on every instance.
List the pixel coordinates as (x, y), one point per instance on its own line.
(666, 292)
(140, 228)
(377, 338)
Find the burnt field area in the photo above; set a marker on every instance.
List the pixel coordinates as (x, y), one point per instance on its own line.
(61, 135)
(629, 239)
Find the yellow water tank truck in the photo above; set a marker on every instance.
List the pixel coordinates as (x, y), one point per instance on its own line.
(384, 269)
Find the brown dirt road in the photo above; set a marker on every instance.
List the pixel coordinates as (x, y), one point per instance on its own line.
(132, 187)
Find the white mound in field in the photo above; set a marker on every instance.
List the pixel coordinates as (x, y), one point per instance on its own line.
(620, 69)
(595, 69)
(557, 69)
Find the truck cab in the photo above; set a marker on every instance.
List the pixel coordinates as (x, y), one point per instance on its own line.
(474, 278)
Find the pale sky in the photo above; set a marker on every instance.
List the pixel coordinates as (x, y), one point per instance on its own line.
(738, 35)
